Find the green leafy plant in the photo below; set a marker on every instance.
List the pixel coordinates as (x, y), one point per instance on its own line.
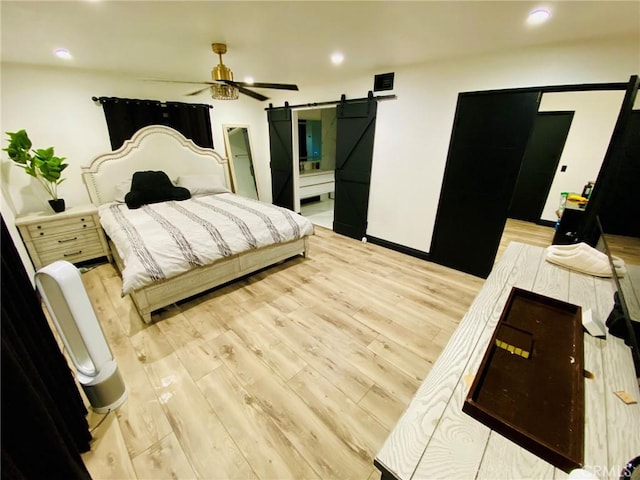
(41, 163)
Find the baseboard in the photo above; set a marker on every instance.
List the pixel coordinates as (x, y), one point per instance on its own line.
(546, 223)
(398, 248)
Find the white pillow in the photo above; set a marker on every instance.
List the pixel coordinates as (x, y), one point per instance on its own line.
(122, 188)
(203, 184)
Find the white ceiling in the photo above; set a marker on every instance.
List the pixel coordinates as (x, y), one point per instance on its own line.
(290, 41)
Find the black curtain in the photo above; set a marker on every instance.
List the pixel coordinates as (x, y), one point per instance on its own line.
(192, 120)
(44, 426)
(125, 116)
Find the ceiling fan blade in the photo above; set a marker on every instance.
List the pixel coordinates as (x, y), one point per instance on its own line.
(182, 81)
(250, 93)
(278, 86)
(197, 91)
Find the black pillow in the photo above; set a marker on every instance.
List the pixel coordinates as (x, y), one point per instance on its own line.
(153, 187)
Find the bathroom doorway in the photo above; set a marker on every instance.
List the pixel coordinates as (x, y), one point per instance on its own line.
(341, 178)
(315, 148)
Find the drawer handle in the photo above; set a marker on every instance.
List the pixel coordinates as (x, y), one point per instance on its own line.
(39, 227)
(72, 254)
(68, 240)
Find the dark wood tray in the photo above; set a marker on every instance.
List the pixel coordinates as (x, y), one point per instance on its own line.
(530, 384)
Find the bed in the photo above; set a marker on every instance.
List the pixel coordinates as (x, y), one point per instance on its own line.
(264, 234)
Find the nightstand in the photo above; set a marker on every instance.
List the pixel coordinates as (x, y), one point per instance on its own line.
(74, 235)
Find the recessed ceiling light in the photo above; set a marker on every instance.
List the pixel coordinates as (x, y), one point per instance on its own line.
(337, 58)
(538, 16)
(248, 80)
(63, 53)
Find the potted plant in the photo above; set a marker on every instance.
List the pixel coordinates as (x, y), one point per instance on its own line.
(41, 164)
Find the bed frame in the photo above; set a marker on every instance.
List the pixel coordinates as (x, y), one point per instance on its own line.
(161, 148)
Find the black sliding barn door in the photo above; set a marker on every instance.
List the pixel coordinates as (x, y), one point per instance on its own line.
(539, 165)
(490, 134)
(356, 123)
(620, 212)
(281, 148)
(614, 195)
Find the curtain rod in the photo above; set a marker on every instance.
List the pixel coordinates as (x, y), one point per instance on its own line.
(343, 99)
(162, 104)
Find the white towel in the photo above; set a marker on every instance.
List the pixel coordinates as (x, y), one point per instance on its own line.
(584, 259)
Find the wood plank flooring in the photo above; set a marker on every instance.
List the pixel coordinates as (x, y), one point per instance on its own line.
(299, 371)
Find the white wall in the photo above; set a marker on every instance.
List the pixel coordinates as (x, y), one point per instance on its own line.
(589, 135)
(412, 131)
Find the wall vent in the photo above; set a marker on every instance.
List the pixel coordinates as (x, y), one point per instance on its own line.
(383, 81)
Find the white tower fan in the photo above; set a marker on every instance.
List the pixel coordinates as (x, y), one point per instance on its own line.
(63, 292)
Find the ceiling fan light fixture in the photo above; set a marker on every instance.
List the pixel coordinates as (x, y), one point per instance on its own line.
(222, 86)
(224, 92)
(221, 72)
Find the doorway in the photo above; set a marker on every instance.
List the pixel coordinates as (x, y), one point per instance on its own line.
(348, 168)
(539, 165)
(316, 149)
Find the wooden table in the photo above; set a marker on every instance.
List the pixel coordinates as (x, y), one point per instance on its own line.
(435, 439)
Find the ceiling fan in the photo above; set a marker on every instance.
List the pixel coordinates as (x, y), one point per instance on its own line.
(223, 87)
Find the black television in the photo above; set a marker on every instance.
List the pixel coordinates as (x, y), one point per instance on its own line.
(620, 323)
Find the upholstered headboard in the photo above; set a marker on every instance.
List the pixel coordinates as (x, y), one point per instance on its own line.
(151, 148)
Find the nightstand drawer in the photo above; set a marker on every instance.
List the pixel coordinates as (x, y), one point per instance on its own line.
(77, 254)
(75, 224)
(69, 240)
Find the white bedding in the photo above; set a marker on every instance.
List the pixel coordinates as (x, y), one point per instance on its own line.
(161, 240)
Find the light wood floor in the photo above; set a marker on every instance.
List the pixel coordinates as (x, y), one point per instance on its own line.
(296, 372)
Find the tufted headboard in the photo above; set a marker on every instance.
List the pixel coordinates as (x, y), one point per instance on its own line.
(151, 148)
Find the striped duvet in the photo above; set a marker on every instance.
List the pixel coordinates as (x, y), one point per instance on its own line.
(161, 240)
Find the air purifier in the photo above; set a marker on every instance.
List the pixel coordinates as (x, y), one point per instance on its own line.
(61, 288)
